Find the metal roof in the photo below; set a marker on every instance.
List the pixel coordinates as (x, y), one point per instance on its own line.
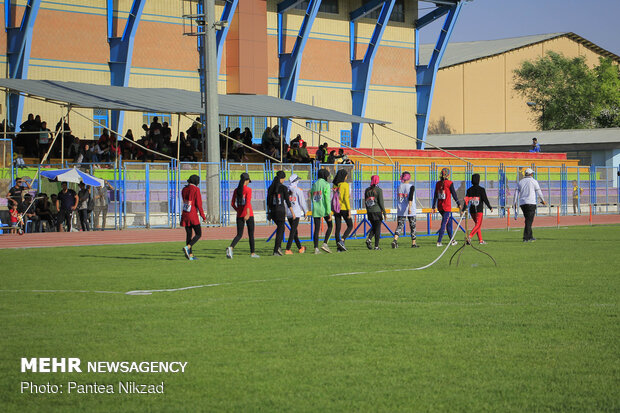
(462, 52)
(564, 138)
(161, 100)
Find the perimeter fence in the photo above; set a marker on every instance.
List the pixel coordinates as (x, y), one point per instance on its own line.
(148, 195)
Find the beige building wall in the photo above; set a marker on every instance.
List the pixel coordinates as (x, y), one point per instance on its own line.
(478, 96)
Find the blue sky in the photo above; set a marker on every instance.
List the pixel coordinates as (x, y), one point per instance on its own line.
(596, 20)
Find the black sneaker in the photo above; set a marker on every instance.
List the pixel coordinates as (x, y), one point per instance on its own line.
(368, 243)
(415, 246)
(377, 248)
(341, 246)
(394, 244)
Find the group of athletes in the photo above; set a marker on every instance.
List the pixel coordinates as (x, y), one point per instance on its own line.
(287, 202)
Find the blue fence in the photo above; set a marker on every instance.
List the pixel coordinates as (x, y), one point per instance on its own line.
(149, 194)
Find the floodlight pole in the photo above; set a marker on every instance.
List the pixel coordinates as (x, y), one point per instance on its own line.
(211, 138)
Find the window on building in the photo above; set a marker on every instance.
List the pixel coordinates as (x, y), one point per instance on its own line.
(147, 118)
(318, 125)
(345, 137)
(327, 6)
(398, 12)
(100, 116)
(256, 125)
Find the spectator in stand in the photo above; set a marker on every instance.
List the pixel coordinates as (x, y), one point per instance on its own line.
(66, 137)
(74, 149)
(166, 134)
(43, 211)
(88, 155)
(129, 149)
(293, 154)
(102, 150)
(267, 139)
(303, 153)
(320, 153)
(340, 157)
(15, 194)
(28, 212)
(276, 136)
(100, 205)
(194, 134)
(535, 145)
(155, 133)
(27, 140)
(246, 137)
(66, 203)
(331, 158)
(44, 139)
(187, 152)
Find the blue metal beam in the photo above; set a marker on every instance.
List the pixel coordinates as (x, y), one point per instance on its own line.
(290, 63)
(220, 37)
(365, 9)
(431, 17)
(426, 74)
(19, 42)
(286, 5)
(361, 70)
(121, 53)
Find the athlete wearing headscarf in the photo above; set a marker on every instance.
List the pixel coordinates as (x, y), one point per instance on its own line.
(444, 191)
(192, 206)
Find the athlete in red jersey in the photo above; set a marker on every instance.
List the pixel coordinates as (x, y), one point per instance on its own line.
(192, 205)
(444, 190)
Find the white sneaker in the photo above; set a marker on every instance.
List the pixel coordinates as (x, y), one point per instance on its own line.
(317, 251)
(325, 248)
(453, 242)
(229, 253)
(439, 244)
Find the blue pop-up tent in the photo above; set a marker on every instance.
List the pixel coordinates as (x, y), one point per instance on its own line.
(72, 175)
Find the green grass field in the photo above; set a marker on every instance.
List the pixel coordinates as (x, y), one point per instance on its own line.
(539, 333)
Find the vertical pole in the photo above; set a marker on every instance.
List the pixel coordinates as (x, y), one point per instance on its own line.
(211, 112)
(558, 216)
(62, 141)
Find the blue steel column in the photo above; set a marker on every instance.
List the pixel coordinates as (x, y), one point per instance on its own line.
(19, 42)
(290, 63)
(361, 70)
(426, 74)
(121, 53)
(220, 37)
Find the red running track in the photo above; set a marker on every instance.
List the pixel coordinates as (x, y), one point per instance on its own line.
(140, 236)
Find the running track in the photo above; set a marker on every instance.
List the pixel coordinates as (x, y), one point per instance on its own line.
(139, 236)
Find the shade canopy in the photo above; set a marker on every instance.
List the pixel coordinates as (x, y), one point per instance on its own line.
(72, 175)
(162, 100)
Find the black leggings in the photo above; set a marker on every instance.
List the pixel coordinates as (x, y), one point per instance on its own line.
(375, 231)
(240, 224)
(343, 214)
(292, 235)
(317, 229)
(188, 234)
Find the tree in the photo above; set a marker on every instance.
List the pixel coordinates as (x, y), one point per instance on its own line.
(566, 94)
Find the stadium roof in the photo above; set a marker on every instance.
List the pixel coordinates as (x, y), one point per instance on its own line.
(462, 52)
(559, 140)
(161, 100)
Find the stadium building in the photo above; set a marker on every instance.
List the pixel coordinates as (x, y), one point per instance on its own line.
(334, 54)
